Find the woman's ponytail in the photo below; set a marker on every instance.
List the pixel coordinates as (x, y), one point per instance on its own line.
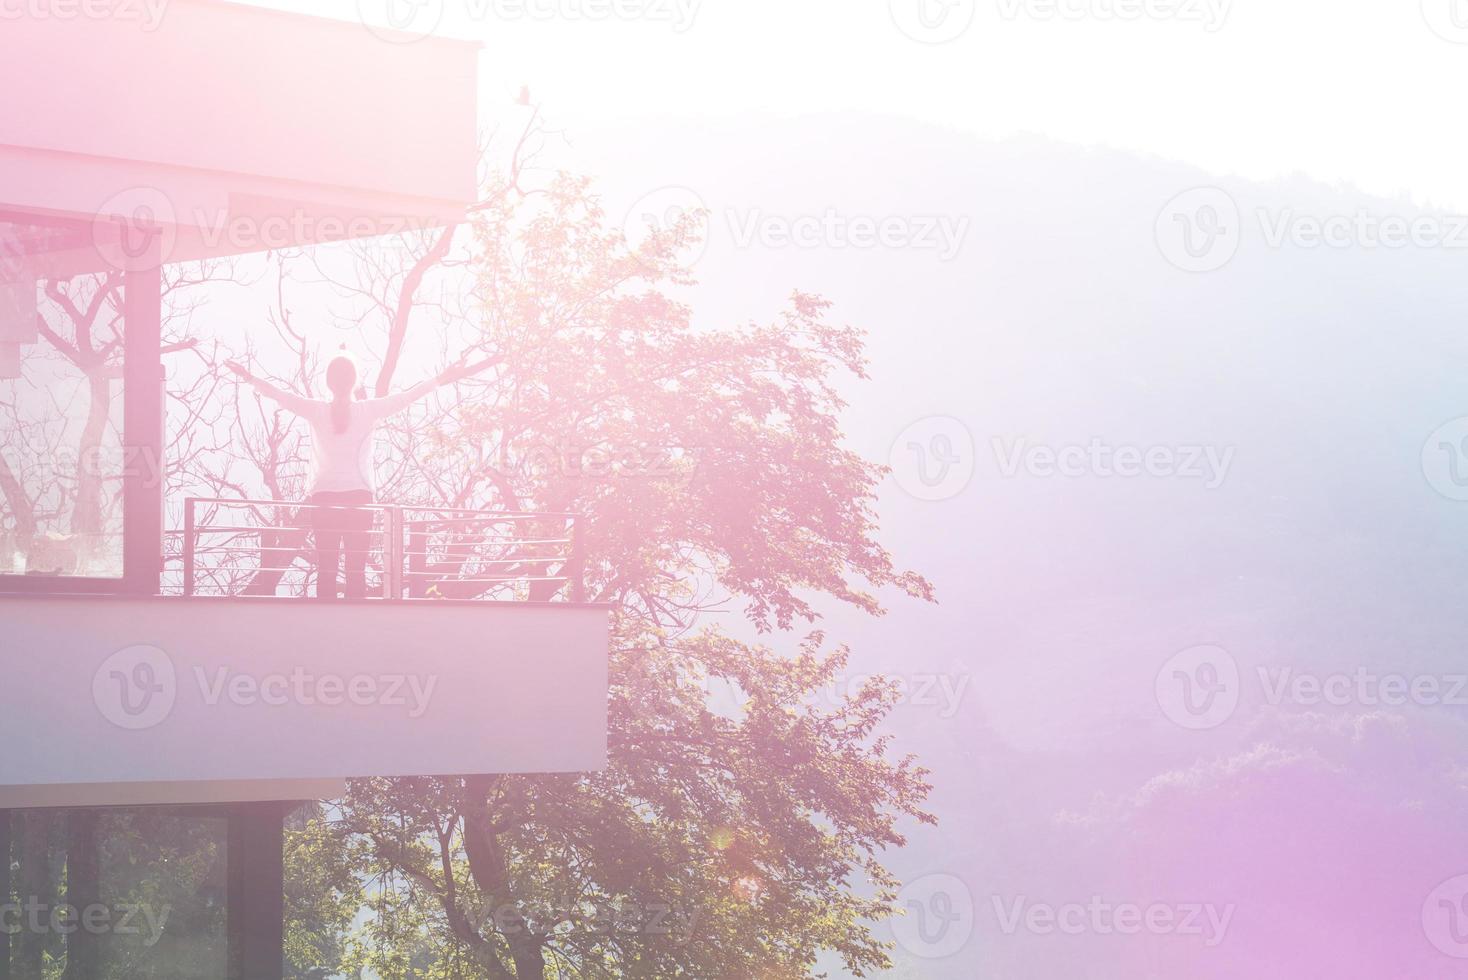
(341, 378)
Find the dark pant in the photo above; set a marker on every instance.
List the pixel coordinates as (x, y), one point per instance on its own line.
(341, 528)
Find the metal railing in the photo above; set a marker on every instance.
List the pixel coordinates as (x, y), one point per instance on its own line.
(270, 547)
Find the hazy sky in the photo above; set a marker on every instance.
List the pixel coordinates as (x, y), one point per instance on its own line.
(1363, 91)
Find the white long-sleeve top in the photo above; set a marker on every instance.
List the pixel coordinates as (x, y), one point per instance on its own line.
(342, 461)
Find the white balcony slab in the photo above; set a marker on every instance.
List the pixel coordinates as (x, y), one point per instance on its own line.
(64, 796)
(104, 696)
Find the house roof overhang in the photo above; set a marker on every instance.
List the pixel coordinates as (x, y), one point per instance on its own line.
(226, 128)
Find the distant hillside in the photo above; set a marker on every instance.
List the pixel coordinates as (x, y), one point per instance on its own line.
(1320, 372)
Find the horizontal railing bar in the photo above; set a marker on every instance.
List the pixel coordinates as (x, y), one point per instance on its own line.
(307, 526)
(303, 550)
(498, 561)
(437, 555)
(252, 502)
(462, 562)
(286, 528)
(420, 577)
(252, 569)
(516, 542)
(517, 515)
(480, 518)
(230, 529)
(477, 551)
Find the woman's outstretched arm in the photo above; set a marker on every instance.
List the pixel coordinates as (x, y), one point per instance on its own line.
(457, 371)
(285, 399)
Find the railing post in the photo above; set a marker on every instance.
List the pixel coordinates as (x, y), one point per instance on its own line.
(392, 558)
(416, 559)
(578, 562)
(190, 532)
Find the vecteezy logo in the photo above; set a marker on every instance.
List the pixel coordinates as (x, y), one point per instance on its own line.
(660, 211)
(1445, 917)
(936, 917)
(136, 228)
(1447, 18)
(1445, 459)
(135, 688)
(1199, 230)
(1199, 687)
(933, 21)
(933, 459)
(137, 234)
(401, 21)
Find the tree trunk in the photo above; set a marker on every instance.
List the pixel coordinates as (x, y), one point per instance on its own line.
(83, 889)
(86, 512)
(21, 510)
(529, 961)
(488, 866)
(35, 887)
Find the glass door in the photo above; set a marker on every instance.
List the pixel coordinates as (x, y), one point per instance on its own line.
(116, 894)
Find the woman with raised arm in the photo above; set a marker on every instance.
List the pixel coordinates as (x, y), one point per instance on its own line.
(343, 481)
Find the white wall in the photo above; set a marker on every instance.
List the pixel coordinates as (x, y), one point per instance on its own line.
(104, 694)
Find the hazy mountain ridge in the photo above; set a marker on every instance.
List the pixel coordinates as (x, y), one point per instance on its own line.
(1325, 549)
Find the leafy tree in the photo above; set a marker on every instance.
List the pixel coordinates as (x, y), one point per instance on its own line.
(727, 838)
(322, 895)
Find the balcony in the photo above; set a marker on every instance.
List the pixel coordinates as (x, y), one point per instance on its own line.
(265, 548)
(471, 651)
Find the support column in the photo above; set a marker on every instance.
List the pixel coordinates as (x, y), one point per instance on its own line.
(83, 890)
(143, 412)
(4, 891)
(256, 910)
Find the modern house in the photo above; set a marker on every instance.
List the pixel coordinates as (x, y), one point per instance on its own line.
(125, 144)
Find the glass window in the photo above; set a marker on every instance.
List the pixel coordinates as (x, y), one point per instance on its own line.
(124, 894)
(61, 351)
